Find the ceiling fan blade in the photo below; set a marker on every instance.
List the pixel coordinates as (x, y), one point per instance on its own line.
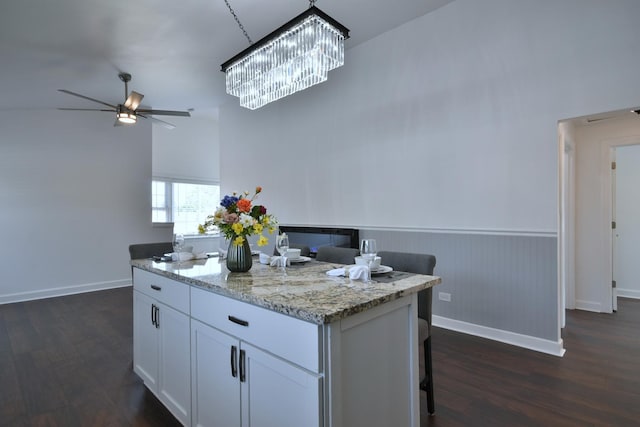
(85, 109)
(86, 97)
(165, 113)
(133, 100)
(161, 122)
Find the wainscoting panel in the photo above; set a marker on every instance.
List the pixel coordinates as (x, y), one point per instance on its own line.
(498, 281)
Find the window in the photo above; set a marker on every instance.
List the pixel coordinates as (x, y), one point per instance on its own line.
(185, 204)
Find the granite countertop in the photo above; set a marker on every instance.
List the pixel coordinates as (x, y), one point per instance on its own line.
(306, 293)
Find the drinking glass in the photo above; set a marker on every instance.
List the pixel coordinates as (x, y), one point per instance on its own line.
(178, 243)
(282, 245)
(368, 251)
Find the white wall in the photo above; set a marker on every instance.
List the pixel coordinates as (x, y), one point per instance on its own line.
(448, 122)
(627, 269)
(455, 113)
(593, 208)
(74, 193)
(191, 151)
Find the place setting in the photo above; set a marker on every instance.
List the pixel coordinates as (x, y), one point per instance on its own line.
(288, 256)
(366, 265)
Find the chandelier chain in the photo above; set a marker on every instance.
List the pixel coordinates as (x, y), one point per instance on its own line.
(233, 13)
(312, 3)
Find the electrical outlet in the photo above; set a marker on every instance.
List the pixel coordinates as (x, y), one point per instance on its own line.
(443, 296)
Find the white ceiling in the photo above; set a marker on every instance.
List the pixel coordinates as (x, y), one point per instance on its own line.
(173, 49)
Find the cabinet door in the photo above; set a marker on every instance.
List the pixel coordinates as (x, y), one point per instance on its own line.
(215, 380)
(145, 340)
(174, 365)
(277, 393)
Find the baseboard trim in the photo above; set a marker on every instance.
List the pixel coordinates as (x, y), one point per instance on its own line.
(596, 307)
(62, 291)
(628, 293)
(532, 343)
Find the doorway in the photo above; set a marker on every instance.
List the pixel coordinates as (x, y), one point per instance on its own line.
(585, 243)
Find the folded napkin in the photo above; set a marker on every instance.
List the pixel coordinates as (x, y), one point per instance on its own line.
(354, 272)
(276, 261)
(186, 256)
(181, 256)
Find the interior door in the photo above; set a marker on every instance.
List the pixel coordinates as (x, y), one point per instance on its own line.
(626, 243)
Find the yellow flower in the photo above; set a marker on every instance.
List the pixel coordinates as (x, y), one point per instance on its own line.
(237, 228)
(238, 240)
(262, 241)
(201, 229)
(257, 227)
(272, 230)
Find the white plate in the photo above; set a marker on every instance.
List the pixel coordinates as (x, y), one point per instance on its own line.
(379, 270)
(299, 259)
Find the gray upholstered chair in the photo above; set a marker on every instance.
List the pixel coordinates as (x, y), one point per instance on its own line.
(148, 250)
(304, 250)
(337, 255)
(419, 264)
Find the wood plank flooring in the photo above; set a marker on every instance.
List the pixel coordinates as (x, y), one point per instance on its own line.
(597, 383)
(68, 362)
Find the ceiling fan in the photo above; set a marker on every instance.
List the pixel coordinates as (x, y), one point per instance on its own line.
(128, 112)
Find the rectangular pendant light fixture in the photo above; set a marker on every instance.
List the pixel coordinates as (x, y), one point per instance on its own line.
(292, 58)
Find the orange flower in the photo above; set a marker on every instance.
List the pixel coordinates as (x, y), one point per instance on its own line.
(244, 205)
(258, 189)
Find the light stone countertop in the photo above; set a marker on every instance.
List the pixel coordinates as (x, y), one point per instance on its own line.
(306, 293)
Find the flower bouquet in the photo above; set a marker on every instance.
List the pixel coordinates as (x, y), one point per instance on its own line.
(236, 218)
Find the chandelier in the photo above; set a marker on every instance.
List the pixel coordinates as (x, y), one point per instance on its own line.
(294, 57)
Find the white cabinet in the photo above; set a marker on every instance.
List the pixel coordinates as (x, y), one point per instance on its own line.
(215, 361)
(161, 351)
(235, 383)
(277, 393)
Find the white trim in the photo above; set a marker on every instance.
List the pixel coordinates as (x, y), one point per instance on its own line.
(628, 293)
(532, 343)
(185, 180)
(594, 306)
(483, 231)
(62, 291)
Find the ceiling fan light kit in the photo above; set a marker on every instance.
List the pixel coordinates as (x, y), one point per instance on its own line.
(126, 117)
(292, 58)
(128, 112)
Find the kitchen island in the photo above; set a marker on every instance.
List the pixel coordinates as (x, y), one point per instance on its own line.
(264, 349)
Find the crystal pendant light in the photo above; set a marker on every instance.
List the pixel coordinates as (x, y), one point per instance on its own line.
(292, 58)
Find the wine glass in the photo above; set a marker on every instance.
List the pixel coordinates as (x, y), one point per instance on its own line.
(368, 251)
(282, 245)
(178, 243)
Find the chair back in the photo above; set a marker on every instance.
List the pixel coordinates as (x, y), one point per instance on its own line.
(148, 250)
(337, 255)
(304, 250)
(418, 264)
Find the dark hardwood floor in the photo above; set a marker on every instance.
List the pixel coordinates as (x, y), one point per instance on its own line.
(67, 362)
(597, 383)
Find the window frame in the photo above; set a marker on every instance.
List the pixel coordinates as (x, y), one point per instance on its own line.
(169, 201)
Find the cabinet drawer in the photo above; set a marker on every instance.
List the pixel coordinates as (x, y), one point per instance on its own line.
(164, 290)
(292, 339)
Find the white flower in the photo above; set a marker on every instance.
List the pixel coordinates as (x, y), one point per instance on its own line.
(246, 220)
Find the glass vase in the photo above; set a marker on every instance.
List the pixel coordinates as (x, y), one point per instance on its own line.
(239, 257)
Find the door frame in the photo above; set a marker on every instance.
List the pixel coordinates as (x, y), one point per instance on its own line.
(566, 218)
